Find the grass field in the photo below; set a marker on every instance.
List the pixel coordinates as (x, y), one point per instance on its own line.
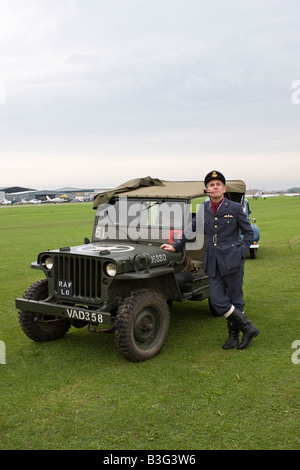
(80, 393)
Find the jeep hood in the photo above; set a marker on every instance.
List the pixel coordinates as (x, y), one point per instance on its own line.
(118, 250)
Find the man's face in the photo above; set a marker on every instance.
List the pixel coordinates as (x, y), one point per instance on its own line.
(216, 189)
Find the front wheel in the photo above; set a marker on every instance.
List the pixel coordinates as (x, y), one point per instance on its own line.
(37, 326)
(141, 325)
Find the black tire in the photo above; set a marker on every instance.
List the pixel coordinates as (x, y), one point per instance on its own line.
(141, 325)
(253, 253)
(37, 327)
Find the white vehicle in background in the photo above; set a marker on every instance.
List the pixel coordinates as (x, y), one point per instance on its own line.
(59, 199)
(32, 201)
(260, 194)
(5, 202)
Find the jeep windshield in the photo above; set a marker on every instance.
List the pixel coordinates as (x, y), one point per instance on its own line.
(155, 220)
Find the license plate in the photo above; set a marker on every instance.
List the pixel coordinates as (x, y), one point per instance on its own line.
(64, 288)
(85, 315)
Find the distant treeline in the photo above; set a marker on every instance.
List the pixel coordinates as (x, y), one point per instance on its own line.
(293, 190)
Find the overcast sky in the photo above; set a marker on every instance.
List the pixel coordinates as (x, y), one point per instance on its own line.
(96, 92)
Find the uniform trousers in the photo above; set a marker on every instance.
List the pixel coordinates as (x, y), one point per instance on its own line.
(226, 292)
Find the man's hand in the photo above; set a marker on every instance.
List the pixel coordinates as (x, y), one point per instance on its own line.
(167, 247)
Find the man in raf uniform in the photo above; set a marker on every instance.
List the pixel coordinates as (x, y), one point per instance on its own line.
(224, 258)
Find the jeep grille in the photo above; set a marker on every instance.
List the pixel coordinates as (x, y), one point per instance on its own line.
(85, 274)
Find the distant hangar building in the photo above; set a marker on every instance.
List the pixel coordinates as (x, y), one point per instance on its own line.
(16, 194)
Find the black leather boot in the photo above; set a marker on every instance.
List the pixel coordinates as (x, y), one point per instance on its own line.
(240, 322)
(233, 338)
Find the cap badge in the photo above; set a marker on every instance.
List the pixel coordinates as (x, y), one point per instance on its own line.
(214, 174)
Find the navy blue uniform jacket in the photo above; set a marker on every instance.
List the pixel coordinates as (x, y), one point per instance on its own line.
(223, 243)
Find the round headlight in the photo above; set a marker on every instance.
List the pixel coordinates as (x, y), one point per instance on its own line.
(111, 269)
(49, 263)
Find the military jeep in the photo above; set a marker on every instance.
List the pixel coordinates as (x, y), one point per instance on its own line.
(122, 281)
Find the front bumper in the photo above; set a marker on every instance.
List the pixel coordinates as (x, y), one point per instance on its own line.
(97, 316)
